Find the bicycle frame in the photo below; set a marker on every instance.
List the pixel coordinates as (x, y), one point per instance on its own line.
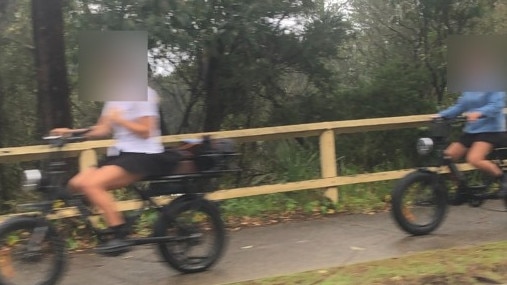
(432, 192)
(174, 232)
(55, 188)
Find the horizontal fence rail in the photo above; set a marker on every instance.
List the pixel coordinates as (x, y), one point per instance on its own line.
(326, 131)
(30, 153)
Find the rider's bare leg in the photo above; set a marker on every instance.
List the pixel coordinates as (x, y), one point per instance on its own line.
(96, 185)
(477, 157)
(75, 183)
(455, 151)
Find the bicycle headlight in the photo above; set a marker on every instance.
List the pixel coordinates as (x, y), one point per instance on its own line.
(424, 146)
(31, 179)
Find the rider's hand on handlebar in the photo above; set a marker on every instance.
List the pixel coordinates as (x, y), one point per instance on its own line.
(60, 132)
(473, 116)
(68, 132)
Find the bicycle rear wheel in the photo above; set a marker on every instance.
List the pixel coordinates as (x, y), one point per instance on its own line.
(31, 253)
(199, 235)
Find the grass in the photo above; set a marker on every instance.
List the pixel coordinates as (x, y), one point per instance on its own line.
(359, 198)
(485, 264)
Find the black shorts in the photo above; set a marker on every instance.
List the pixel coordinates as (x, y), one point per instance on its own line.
(144, 164)
(496, 139)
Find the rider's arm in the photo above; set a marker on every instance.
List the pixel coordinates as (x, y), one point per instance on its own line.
(145, 114)
(495, 105)
(455, 110)
(101, 130)
(141, 126)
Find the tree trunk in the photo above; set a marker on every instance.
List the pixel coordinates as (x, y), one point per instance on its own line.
(214, 105)
(5, 194)
(53, 102)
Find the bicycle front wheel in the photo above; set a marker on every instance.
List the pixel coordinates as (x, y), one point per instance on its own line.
(419, 203)
(31, 253)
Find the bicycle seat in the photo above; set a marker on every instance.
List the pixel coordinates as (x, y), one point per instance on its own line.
(499, 154)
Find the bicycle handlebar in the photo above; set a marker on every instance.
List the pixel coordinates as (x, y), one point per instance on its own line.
(74, 136)
(458, 119)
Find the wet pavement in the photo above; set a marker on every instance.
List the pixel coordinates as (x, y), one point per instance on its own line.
(295, 246)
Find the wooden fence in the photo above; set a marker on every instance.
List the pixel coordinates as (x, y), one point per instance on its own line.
(326, 131)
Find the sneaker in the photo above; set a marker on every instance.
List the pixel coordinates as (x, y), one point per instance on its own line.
(114, 247)
(502, 193)
(117, 245)
(458, 199)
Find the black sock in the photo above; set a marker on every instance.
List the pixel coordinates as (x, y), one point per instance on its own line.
(120, 231)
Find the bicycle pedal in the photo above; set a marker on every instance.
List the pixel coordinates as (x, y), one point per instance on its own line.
(130, 220)
(107, 231)
(478, 187)
(114, 247)
(457, 199)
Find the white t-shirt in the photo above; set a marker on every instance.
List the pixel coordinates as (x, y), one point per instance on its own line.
(127, 141)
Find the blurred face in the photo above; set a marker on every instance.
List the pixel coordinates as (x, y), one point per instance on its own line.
(115, 68)
(480, 70)
(476, 63)
(112, 61)
(122, 79)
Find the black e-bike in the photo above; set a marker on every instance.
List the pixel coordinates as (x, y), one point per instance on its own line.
(188, 232)
(419, 201)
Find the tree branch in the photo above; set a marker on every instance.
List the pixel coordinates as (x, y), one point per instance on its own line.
(25, 45)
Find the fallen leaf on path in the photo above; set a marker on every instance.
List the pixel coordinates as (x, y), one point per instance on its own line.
(356, 248)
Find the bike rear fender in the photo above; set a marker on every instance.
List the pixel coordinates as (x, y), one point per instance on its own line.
(25, 218)
(437, 178)
(170, 211)
(426, 170)
(194, 200)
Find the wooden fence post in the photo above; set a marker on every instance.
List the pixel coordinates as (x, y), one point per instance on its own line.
(88, 158)
(328, 161)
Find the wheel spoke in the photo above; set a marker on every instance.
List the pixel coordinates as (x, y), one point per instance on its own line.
(6, 268)
(408, 214)
(27, 258)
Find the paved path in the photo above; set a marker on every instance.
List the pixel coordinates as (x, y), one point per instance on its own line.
(294, 247)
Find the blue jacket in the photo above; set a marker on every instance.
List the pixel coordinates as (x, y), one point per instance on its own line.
(490, 105)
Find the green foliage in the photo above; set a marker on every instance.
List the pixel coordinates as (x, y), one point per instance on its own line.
(291, 161)
(284, 161)
(144, 226)
(365, 198)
